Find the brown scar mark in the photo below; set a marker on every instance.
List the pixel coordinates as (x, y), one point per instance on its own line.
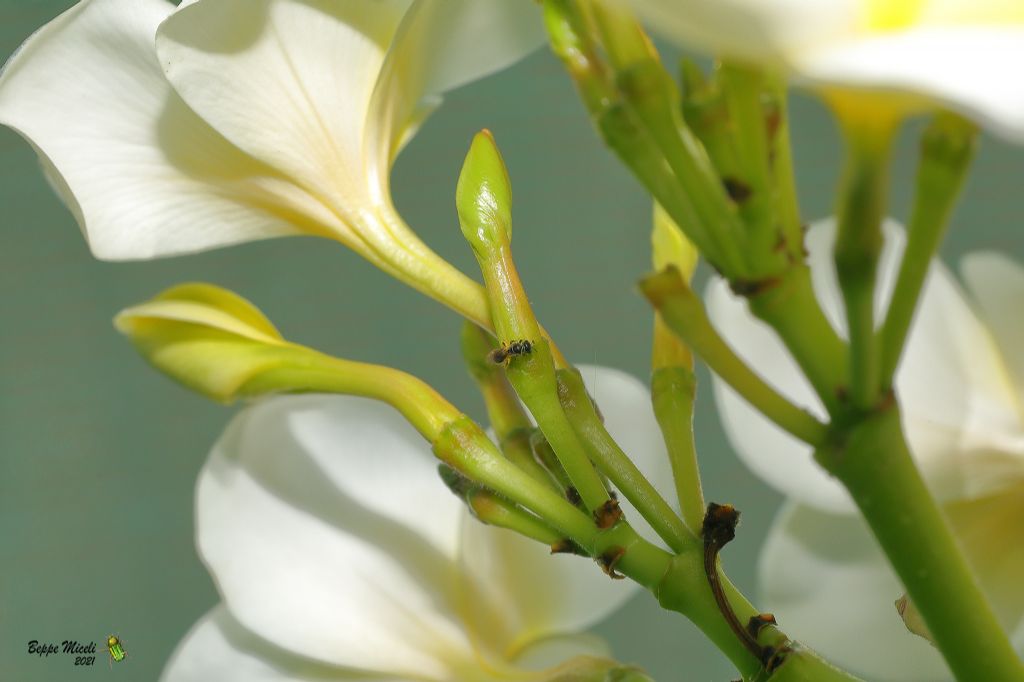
(760, 622)
(610, 559)
(737, 190)
(751, 288)
(608, 514)
(567, 546)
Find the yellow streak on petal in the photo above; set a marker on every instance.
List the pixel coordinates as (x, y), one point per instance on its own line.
(892, 15)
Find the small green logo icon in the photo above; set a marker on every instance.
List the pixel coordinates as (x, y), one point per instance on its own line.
(117, 652)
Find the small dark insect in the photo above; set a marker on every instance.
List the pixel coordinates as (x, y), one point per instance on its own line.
(501, 354)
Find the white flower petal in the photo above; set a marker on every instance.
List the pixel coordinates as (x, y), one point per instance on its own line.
(750, 29)
(288, 81)
(532, 594)
(964, 55)
(540, 594)
(951, 386)
(441, 45)
(997, 285)
(971, 69)
(958, 404)
(830, 587)
(143, 174)
(329, 533)
(219, 648)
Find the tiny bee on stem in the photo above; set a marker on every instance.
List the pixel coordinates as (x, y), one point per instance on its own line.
(501, 355)
(116, 650)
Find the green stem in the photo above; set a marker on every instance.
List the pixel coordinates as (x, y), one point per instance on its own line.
(616, 465)
(743, 87)
(787, 205)
(672, 394)
(685, 315)
(509, 420)
(787, 304)
(862, 202)
(573, 41)
(875, 464)
(649, 92)
(314, 372)
(678, 582)
(947, 148)
(464, 446)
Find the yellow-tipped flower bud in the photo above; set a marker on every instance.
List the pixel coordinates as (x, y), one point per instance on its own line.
(209, 339)
(669, 246)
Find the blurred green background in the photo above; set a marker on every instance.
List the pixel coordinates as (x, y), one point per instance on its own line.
(99, 454)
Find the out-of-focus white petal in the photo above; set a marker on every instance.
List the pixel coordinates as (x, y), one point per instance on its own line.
(143, 174)
(329, 533)
(957, 410)
(750, 29)
(964, 55)
(219, 648)
(830, 587)
(997, 286)
(971, 69)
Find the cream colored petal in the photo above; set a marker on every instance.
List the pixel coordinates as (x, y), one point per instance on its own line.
(971, 69)
(991, 531)
(143, 174)
(288, 81)
(830, 587)
(329, 534)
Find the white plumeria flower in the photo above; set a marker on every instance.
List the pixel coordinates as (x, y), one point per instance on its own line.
(961, 386)
(170, 130)
(964, 54)
(339, 554)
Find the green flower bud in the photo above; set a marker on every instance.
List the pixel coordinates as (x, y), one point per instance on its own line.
(483, 196)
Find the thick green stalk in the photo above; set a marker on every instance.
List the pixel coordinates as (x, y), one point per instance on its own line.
(947, 148)
(684, 589)
(672, 394)
(684, 313)
(787, 304)
(616, 464)
(862, 205)
(872, 460)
